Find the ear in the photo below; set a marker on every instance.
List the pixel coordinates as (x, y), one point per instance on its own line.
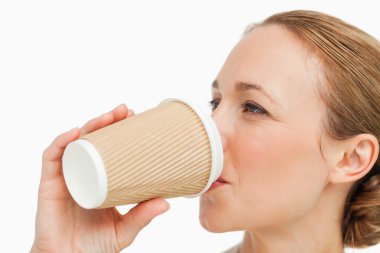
(354, 158)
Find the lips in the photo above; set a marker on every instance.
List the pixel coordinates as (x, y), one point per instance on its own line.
(219, 183)
(221, 180)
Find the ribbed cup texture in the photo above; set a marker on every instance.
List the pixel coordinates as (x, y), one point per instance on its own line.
(162, 152)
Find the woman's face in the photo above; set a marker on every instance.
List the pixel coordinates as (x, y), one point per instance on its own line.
(271, 132)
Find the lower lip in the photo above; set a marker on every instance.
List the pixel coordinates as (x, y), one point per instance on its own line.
(215, 185)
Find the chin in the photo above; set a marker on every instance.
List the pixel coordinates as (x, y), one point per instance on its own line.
(213, 217)
(212, 225)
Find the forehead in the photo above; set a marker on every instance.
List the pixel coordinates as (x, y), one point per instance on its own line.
(277, 60)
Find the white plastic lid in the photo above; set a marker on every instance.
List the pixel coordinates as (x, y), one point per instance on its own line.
(215, 142)
(85, 174)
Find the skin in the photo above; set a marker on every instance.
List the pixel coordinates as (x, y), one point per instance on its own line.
(286, 181)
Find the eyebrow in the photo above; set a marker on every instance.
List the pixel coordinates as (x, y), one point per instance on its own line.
(242, 87)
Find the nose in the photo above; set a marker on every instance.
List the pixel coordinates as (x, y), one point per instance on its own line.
(221, 125)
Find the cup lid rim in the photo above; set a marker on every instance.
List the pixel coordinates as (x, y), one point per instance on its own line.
(89, 187)
(214, 138)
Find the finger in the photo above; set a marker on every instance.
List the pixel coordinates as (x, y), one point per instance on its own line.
(52, 155)
(56, 148)
(119, 113)
(131, 113)
(137, 218)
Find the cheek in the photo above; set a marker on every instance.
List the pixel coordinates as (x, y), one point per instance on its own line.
(280, 174)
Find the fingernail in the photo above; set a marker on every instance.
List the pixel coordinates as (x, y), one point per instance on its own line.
(120, 105)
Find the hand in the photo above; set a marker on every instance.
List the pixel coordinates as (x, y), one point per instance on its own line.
(64, 226)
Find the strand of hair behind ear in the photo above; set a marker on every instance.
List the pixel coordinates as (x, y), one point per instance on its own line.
(362, 226)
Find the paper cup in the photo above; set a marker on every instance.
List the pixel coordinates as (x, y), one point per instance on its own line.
(169, 151)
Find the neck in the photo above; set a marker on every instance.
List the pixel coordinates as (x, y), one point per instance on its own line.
(290, 241)
(317, 232)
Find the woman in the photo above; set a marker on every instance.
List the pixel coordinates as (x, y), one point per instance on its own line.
(296, 104)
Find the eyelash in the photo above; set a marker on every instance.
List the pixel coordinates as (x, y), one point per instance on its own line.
(249, 104)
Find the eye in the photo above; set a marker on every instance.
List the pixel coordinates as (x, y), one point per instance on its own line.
(213, 104)
(254, 108)
(248, 107)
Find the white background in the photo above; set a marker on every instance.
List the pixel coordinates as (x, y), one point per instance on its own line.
(64, 62)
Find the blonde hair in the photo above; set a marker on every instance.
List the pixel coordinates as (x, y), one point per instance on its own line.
(351, 92)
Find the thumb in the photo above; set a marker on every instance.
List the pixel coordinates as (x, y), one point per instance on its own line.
(137, 218)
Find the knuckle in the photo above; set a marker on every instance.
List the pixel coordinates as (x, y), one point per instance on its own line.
(46, 153)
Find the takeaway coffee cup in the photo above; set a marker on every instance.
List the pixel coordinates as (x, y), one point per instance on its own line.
(168, 151)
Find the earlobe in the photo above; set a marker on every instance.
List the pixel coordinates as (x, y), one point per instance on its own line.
(359, 155)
